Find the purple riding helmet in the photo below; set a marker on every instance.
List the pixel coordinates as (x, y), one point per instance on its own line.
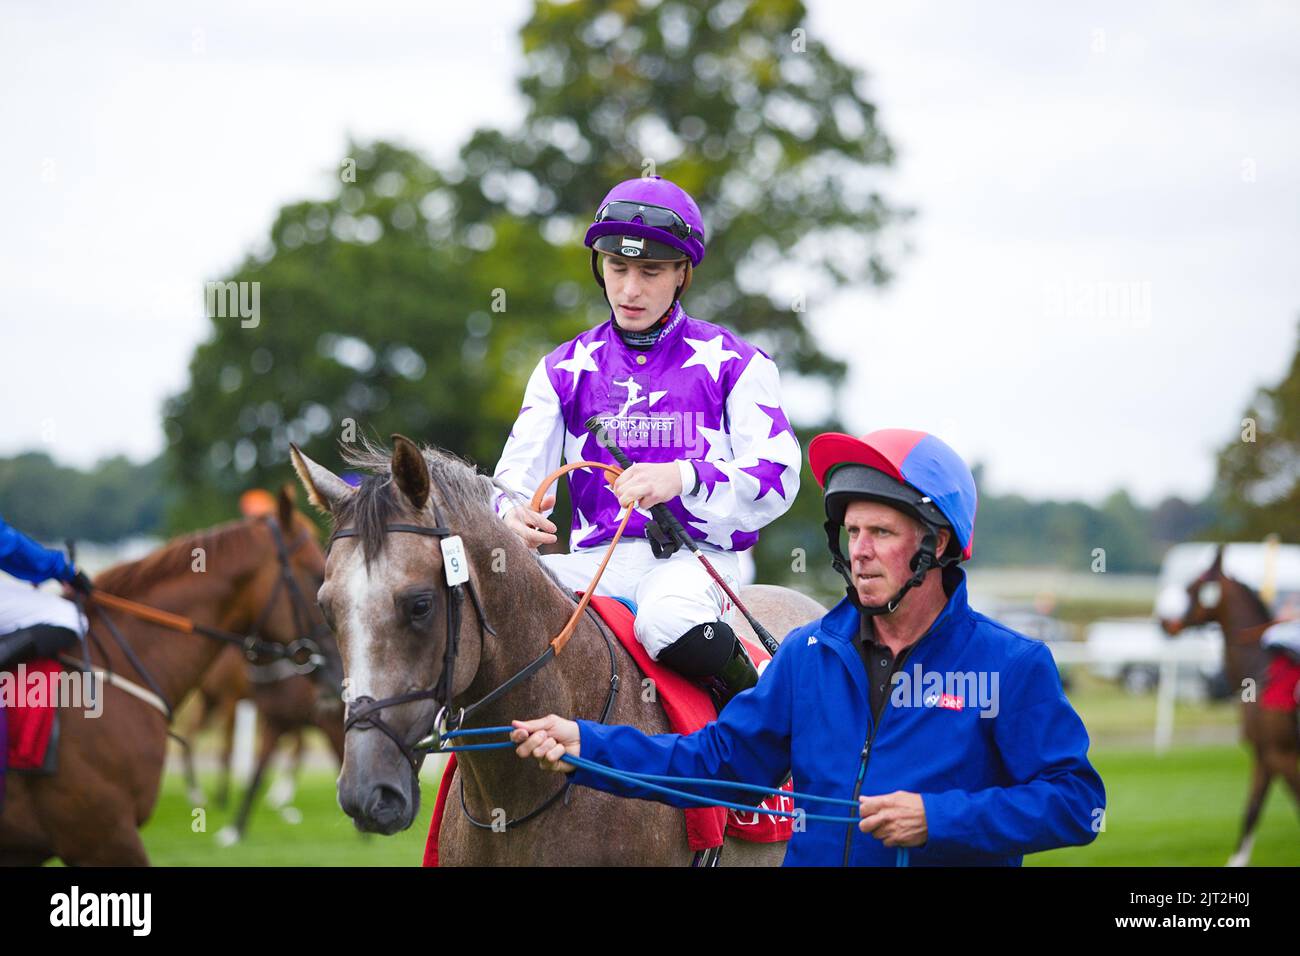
(647, 218)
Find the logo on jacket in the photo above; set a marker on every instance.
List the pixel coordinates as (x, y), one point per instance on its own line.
(634, 396)
(946, 690)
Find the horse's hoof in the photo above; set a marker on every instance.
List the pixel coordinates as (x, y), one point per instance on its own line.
(280, 794)
(227, 836)
(291, 815)
(197, 799)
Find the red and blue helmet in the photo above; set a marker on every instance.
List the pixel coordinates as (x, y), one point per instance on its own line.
(910, 470)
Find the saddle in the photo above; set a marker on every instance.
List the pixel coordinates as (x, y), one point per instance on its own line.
(688, 707)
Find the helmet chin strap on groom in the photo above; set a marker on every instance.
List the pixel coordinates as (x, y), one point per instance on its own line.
(922, 562)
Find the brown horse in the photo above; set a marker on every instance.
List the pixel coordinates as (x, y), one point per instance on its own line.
(1271, 734)
(110, 768)
(287, 704)
(393, 613)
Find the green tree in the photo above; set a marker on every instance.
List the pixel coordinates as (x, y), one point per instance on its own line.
(418, 300)
(1258, 478)
(113, 499)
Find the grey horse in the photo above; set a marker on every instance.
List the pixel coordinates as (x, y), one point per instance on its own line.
(384, 596)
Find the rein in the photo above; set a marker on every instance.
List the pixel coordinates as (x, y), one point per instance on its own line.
(363, 711)
(303, 654)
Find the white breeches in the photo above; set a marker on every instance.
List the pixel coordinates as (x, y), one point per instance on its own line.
(672, 596)
(22, 605)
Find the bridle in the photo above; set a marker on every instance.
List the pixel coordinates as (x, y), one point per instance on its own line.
(310, 634)
(303, 654)
(363, 711)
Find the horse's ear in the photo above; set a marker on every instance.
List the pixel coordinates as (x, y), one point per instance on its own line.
(325, 489)
(410, 471)
(1217, 566)
(285, 506)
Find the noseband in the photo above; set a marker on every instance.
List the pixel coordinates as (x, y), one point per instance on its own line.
(363, 711)
(303, 654)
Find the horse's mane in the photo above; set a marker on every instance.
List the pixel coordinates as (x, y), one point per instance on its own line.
(176, 556)
(1265, 612)
(457, 484)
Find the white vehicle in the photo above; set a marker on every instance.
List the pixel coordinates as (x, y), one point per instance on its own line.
(1131, 650)
(1271, 569)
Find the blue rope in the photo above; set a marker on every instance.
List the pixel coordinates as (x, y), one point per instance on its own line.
(646, 780)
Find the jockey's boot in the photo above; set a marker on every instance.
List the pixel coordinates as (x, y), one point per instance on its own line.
(35, 642)
(713, 654)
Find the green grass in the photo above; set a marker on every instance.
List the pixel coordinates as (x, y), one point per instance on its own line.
(325, 837)
(1182, 809)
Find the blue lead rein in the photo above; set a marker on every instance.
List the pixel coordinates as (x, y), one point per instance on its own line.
(645, 780)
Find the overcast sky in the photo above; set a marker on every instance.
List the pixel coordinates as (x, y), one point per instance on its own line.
(1105, 258)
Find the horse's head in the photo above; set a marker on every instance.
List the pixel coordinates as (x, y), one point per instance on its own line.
(1204, 598)
(389, 600)
(281, 596)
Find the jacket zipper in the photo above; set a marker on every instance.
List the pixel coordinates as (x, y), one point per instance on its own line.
(866, 747)
(857, 784)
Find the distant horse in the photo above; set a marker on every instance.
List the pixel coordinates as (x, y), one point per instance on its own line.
(110, 767)
(287, 705)
(403, 631)
(1271, 734)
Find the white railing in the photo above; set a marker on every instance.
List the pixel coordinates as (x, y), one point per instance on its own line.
(1169, 658)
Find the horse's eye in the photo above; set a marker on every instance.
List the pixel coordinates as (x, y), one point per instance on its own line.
(421, 607)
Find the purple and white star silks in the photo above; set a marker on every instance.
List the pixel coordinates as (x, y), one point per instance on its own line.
(703, 398)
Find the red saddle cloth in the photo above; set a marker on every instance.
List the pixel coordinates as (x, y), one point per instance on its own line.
(28, 714)
(1280, 685)
(688, 708)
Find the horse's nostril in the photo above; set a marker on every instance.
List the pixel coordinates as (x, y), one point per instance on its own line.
(385, 806)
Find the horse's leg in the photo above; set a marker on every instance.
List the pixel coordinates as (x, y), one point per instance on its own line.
(1281, 748)
(24, 839)
(206, 705)
(120, 845)
(233, 834)
(1260, 779)
(228, 708)
(285, 787)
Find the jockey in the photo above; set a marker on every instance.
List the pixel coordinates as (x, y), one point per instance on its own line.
(698, 410)
(35, 624)
(950, 730)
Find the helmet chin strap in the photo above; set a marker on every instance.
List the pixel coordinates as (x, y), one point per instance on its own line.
(922, 562)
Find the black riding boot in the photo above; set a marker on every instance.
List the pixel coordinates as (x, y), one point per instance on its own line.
(712, 653)
(35, 642)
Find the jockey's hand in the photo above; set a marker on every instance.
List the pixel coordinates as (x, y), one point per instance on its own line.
(896, 819)
(650, 484)
(548, 739)
(532, 526)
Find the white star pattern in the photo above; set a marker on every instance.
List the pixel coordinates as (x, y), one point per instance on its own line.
(716, 440)
(581, 361)
(654, 398)
(578, 535)
(573, 445)
(710, 354)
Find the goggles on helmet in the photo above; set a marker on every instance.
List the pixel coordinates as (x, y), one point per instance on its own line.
(658, 217)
